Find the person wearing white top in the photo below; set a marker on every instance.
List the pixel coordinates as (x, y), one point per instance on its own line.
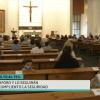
(37, 49)
(47, 47)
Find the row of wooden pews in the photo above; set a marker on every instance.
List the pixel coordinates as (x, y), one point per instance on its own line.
(57, 74)
(11, 63)
(90, 48)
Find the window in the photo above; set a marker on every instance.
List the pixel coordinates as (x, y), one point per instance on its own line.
(76, 25)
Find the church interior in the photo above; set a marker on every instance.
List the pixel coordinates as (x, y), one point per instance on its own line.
(50, 40)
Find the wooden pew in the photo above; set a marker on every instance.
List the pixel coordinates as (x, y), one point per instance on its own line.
(94, 49)
(23, 48)
(37, 63)
(88, 98)
(17, 64)
(9, 45)
(14, 52)
(86, 73)
(26, 51)
(90, 47)
(29, 56)
(50, 96)
(64, 74)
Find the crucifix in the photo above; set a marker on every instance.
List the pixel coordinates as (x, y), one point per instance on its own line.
(30, 10)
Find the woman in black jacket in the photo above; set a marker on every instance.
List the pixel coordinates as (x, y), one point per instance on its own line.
(66, 60)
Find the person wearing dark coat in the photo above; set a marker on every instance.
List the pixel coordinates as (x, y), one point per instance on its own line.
(66, 60)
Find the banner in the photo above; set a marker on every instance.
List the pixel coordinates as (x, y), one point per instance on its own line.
(45, 85)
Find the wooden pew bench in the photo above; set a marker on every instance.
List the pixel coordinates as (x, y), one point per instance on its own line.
(26, 51)
(37, 63)
(94, 49)
(51, 96)
(64, 74)
(18, 65)
(23, 48)
(86, 73)
(28, 56)
(9, 46)
(14, 52)
(88, 98)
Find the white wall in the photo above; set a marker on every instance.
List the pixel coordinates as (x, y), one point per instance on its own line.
(94, 16)
(84, 20)
(11, 14)
(84, 25)
(56, 15)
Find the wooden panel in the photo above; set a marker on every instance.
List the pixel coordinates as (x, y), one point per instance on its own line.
(18, 65)
(29, 56)
(23, 48)
(2, 21)
(89, 98)
(61, 74)
(27, 51)
(32, 28)
(72, 76)
(78, 6)
(14, 52)
(34, 77)
(49, 96)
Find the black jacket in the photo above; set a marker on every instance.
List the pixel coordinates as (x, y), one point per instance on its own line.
(67, 63)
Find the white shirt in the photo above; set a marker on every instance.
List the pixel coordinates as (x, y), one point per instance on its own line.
(47, 48)
(37, 50)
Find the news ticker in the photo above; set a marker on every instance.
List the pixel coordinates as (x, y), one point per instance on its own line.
(11, 76)
(44, 85)
(15, 82)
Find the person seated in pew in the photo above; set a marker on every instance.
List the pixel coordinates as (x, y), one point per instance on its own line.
(95, 81)
(66, 59)
(1, 39)
(16, 46)
(26, 40)
(28, 64)
(32, 42)
(67, 43)
(37, 49)
(47, 47)
(1, 45)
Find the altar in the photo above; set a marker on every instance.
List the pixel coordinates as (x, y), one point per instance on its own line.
(30, 32)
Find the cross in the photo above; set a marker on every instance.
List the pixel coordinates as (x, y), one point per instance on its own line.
(30, 10)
